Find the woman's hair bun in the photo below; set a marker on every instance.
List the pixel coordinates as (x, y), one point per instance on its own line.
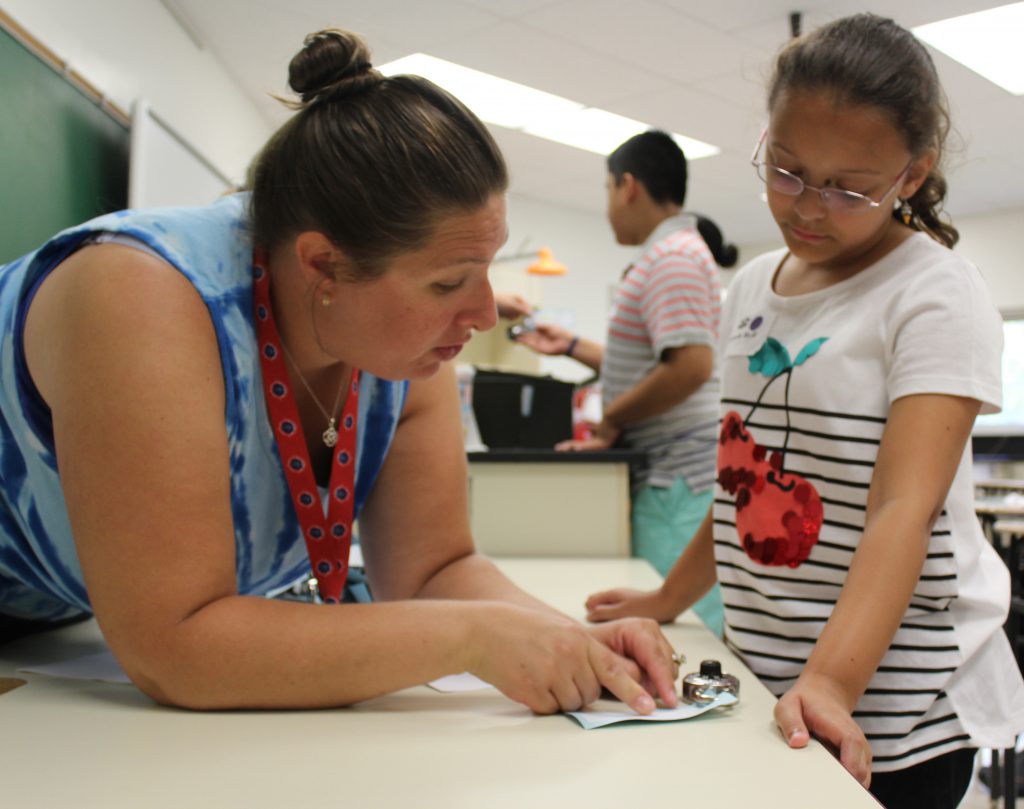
(331, 64)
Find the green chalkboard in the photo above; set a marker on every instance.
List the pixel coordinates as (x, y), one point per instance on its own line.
(63, 160)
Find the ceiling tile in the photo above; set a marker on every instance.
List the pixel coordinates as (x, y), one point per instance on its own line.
(400, 21)
(698, 115)
(513, 9)
(554, 65)
(729, 15)
(641, 33)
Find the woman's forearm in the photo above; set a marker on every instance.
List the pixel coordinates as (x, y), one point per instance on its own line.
(251, 652)
(475, 577)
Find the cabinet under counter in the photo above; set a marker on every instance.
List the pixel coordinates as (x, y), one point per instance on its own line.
(536, 502)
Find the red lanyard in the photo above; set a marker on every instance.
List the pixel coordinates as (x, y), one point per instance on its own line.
(329, 540)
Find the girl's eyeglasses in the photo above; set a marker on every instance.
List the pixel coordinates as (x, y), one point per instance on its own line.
(835, 199)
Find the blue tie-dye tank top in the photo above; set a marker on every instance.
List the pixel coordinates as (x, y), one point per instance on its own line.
(40, 574)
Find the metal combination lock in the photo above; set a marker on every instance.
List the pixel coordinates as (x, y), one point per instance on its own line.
(517, 330)
(701, 687)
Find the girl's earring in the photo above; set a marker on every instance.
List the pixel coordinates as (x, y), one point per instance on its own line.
(906, 212)
(325, 300)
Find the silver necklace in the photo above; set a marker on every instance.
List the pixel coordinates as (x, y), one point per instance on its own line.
(330, 435)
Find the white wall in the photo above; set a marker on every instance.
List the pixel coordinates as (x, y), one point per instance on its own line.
(581, 298)
(993, 241)
(132, 49)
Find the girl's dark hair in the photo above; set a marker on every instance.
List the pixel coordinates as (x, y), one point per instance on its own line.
(373, 163)
(724, 253)
(871, 61)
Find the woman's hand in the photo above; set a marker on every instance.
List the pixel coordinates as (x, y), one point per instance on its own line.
(641, 641)
(550, 663)
(816, 706)
(623, 602)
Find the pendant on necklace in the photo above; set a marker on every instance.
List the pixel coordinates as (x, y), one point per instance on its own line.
(330, 435)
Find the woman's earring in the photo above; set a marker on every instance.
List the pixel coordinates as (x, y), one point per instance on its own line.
(906, 212)
(325, 299)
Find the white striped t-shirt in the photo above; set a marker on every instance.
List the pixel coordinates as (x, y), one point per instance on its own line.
(809, 379)
(668, 298)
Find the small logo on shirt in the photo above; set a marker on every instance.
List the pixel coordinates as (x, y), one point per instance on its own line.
(748, 327)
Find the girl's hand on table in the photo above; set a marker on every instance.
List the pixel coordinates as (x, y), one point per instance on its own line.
(816, 706)
(623, 602)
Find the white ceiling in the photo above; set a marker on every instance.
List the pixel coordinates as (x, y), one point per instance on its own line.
(697, 68)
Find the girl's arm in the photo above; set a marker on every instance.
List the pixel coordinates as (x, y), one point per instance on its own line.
(122, 349)
(921, 448)
(692, 575)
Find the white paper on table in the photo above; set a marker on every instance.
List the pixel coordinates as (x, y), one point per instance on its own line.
(101, 666)
(596, 719)
(455, 683)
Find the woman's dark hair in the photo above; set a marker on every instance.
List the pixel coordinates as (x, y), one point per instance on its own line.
(725, 253)
(656, 160)
(372, 162)
(871, 61)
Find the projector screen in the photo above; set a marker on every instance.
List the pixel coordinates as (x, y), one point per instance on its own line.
(165, 169)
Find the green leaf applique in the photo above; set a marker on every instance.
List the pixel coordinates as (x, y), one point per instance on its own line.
(771, 359)
(809, 350)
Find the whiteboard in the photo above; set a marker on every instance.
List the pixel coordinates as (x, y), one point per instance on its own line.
(164, 169)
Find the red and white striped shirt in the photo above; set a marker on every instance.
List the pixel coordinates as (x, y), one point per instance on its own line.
(669, 298)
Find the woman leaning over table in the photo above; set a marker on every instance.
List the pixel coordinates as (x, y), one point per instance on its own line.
(177, 383)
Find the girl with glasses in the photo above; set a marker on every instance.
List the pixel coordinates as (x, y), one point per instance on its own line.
(857, 583)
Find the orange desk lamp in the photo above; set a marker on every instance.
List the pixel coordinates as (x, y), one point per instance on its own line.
(544, 263)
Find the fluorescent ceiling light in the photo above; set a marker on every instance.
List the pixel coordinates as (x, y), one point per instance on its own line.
(987, 42)
(516, 106)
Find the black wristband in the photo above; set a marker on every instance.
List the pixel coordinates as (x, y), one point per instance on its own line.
(572, 346)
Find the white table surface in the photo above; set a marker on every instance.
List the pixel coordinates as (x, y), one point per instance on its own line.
(78, 744)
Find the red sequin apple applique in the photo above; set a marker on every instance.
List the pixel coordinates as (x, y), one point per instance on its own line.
(778, 513)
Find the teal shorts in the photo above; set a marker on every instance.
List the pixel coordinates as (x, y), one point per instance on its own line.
(663, 523)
